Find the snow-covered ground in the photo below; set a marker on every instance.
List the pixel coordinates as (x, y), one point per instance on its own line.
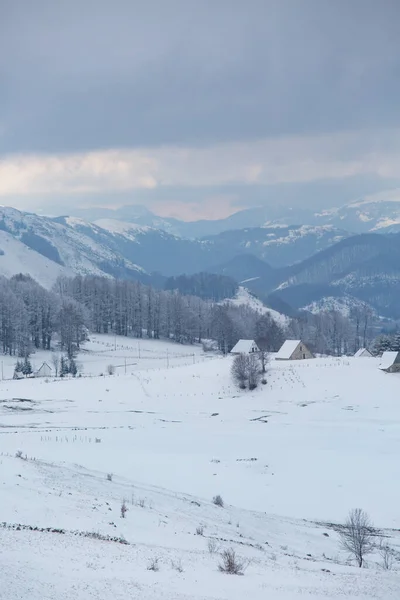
(322, 437)
(124, 354)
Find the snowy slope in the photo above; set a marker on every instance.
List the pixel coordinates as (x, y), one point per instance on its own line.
(288, 459)
(66, 242)
(121, 227)
(18, 258)
(342, 304)
(246, 298)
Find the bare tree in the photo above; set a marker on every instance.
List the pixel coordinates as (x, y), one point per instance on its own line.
(239, 369)
(264, 360)
(357, 535)
(253, 371)
(246, 368)
(55, 361)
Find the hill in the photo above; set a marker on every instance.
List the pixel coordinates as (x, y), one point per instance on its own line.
(322, 429)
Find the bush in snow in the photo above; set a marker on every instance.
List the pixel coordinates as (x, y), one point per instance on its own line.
(110, 369)
(212, 545)
(231, 563)
(109, 476)
(200, 530)
(387, 555)
(124, 509)
(217, 500)
(177, 565)
(246, 370)
(154, 564)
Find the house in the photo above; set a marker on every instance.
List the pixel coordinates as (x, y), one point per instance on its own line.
(294, 350)
(363, 353)
(43, 371)
(390, 362)
(245, 347)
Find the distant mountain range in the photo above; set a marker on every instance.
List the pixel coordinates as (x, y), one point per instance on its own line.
(128, 250)
(290, 266)
(379, 212)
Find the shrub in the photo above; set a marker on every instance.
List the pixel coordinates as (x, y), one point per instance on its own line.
(154, 564)
(109, 476)
(212, 545)
(124, 509)
(200, 530)
(177, 565)
(110, 369)
(387, 555)
(231, 563)
(218, 501)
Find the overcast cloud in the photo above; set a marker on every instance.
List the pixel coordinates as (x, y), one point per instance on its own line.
(99, 99)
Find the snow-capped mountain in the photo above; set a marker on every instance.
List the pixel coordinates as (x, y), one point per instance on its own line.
(295, 267)
(16, 257)
(374, 212)
(278, 246)
(366, 267)
(59, 243)
(378, 212)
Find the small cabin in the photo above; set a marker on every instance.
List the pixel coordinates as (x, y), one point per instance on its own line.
(390, 362)
(245, 347)
(363, 353)
(294, 350)
(44, 371)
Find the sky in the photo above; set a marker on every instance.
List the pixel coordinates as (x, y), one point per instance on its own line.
(197, 108)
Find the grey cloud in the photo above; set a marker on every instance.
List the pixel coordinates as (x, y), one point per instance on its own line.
(83, 75)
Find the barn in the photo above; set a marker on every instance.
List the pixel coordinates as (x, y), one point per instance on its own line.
(294, 350)
(390, 362)
(245, 347)
(43, 371)
(363, 353)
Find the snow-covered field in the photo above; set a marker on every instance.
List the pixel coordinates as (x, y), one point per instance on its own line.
(320, 438)
(124, 354)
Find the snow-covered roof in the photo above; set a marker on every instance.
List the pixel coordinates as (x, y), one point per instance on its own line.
(388, 359)
(44, 364)
(288, 348)
(362, 352)
(243, 347)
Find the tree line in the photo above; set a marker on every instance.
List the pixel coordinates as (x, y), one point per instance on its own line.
(32, 317)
